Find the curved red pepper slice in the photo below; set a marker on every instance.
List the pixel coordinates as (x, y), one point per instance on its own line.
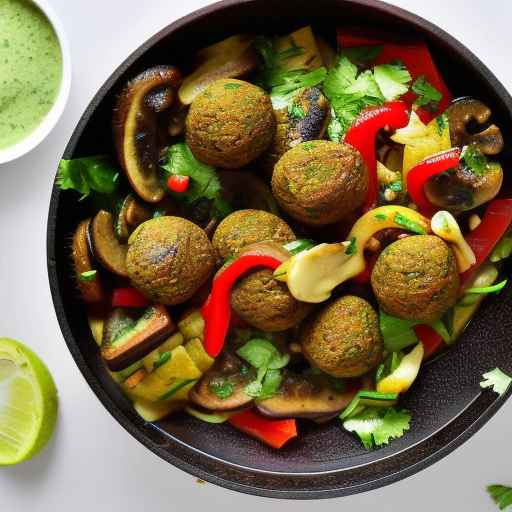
(363, 132)
(418, 176)
(217, 310)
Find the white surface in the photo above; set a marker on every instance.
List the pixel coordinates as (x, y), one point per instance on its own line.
(92, 464)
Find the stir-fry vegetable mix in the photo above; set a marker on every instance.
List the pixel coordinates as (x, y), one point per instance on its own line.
(289, 232)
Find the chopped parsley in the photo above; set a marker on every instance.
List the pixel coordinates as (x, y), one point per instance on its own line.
(501, 495)
(380, 216)
(428, 96)
(231, 85)
(442, 123)
(296, 112)
(376, 426)
(409, 224)
(352, 247)
(89, 275)
(222, 388)
(393, 80)
(498, 380)
(474, 160)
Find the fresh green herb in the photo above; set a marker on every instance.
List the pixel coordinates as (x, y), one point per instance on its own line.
(89, 275)
(293, 82)
(223, 388)
(296, 112)
(396, 186)
(95, 173)
(264, 356)
(380, 216)
(393, 80)
(502, 250)
(475, 160)
(428, 95)
(409, 224)
(352, 247)
(489, 289)
(175, 388)
(497, 380)
(204, 182)
(377, 426)
(164, 358)
(231, 85)
(244, 370)
(341, 76)
(208, 418)
(361, 56)
(501, 494)
(442, 123)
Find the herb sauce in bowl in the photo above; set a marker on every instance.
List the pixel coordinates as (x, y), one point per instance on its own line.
(30, 69)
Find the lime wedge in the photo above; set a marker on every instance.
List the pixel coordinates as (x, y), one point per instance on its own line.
(28, 403)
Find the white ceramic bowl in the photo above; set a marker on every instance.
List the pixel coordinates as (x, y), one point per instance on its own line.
(51, 118)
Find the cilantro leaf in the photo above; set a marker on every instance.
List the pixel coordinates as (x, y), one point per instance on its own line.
(223, 388)
(428, 95)
(392, 79)
(497, 380)
(501, 495)
(271, 384)
(375, 426)
(341, 76)
(94, 173)
(292, 83)
(474, 159)
(365, 84)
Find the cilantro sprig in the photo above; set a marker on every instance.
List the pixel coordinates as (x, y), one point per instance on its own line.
(501, 495)
(428, 96)
(497, 380)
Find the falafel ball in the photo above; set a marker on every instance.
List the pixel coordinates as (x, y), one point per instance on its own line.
(343, 339)
(245, 227)
(320, 182)
(416, 278)
(263, 302)
(230, 124)
(169, 259)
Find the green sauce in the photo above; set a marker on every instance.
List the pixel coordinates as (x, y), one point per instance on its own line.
(30, 69)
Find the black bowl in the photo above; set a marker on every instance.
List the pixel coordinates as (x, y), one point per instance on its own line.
(446, 402)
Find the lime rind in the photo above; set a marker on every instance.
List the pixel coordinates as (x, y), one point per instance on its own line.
(28, 403)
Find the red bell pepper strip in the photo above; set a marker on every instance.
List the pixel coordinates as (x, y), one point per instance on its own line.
(414, 54)
(495, 222)
(418, 176)
(178, 184)
(275, 433)
(431, 340)
(365, 276)
(128, 298)
(217, 310)
(362, 136)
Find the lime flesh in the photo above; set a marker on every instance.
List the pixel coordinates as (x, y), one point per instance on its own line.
(28, 403)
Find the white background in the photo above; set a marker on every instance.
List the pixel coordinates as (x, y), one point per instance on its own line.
(92, 464)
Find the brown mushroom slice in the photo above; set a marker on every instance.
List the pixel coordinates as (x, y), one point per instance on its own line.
(302, 396)
(467, 112)
(126, 340)
(135, 126)
(91, 290)
(106, 247)
(245, 191)
(227, 368)
(232, 58)
(131, 215)
(462, 190)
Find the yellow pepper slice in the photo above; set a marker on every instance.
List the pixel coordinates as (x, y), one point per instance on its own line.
(405, 374)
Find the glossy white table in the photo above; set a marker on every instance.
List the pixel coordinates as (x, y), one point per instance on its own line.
(92, 464)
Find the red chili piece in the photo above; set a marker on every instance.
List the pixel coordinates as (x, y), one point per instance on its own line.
(275, 433)
(177, 183)
(362, 136)
(418, 176)
(128, 298)
(217, 310)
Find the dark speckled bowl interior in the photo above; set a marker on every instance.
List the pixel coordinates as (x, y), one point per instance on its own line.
(446, 402)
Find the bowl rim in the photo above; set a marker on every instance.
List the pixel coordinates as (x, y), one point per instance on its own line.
(51, 118)
(451, 435)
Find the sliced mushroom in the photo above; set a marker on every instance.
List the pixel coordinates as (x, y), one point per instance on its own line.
(136, 132)
(461, 189)
(126, 340)
(131, 215)
(467, 113)
(306, 122)
(91, 290)
(311, 396)
(246, 191)
(232, 58)
(227, 368)
(106, 247)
